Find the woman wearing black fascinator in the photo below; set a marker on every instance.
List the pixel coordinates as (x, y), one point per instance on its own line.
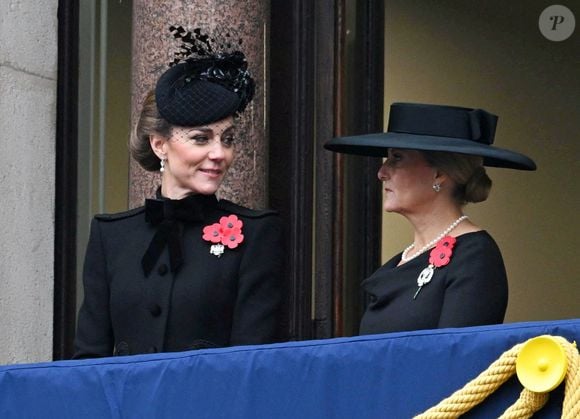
(452, 274)
(186, 270)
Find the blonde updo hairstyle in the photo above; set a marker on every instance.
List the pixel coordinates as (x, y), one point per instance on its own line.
(471, 181)
(150, 123)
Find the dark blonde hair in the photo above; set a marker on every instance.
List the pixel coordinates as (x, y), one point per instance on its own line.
(150, 123)
(471, 181)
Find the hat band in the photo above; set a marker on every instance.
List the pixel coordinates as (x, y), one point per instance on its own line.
(443, 121)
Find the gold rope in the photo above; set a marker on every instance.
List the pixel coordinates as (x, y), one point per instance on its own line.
(499, 372)
(524, 407)
(571, 405)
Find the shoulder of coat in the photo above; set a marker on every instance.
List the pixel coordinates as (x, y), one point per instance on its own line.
(120, 215)
(229, 206)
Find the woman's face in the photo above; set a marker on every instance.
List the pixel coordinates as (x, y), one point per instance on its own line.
(197, 158)
(408, 181)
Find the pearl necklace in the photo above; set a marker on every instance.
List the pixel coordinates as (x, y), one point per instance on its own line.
(433, 242)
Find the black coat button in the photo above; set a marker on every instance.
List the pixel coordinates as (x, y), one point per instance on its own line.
(373, 298)
(155, 310)
(152, 349)
(162, 269)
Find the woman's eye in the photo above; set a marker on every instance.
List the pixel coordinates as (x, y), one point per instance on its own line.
(393, 159)
(199, 139)
(229, 140)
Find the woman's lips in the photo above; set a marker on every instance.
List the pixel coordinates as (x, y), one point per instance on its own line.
(212, 172)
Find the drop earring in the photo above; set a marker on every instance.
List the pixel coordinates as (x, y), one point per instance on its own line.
(162, 163)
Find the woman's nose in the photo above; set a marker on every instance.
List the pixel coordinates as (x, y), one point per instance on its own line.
(217, 150)
(382, 173)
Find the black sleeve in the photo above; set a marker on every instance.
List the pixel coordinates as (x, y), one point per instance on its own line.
(258, 305)
(476, 291)
(94, 337)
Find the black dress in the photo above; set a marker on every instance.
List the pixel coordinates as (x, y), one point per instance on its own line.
(180, 296)
(471, 290)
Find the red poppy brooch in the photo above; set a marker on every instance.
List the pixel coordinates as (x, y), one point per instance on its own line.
(228, 232)
(440, 256)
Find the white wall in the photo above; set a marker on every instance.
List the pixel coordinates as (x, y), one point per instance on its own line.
(28, 71)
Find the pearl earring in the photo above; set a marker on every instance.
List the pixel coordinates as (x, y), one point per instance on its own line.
(436, 187)
(162, 169)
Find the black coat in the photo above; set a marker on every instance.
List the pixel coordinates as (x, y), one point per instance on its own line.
(471, 290)
(210, 301)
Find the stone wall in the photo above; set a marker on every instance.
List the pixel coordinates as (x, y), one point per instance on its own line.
(28, 81)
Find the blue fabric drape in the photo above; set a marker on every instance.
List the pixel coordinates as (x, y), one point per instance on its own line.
(394, 375)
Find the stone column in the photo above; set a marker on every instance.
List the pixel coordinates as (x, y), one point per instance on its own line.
(153, 48)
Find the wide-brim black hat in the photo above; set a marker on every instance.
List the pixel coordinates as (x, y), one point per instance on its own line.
(425, 127)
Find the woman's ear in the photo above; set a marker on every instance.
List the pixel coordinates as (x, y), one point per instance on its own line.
(158, 145)
(440, 177)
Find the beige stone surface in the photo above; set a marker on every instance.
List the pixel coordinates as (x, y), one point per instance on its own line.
(28, 51)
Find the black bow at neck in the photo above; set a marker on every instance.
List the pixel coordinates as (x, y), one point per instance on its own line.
(169, 215)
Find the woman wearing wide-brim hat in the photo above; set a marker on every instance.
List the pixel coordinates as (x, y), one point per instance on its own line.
(452, 274)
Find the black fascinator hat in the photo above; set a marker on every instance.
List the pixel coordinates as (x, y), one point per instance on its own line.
(204, 83)
(424, 127)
